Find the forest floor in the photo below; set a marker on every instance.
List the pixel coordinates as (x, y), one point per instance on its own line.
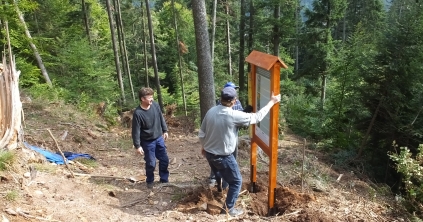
(112, 188)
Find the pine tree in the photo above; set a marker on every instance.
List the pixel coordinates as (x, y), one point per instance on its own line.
(318, 35)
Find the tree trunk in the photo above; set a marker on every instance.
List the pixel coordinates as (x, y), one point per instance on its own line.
(366, 136)
(325, 66)
(241, 71)
(86, 23)
(32, 45)
(153, 55)
(175, 24)
(344, 29)
(251, 30)
(119, 38)
(276, 37)
(323, 90)
(125, 53)
(147, 81)
(297, 32)
(205, 69)
(228, 40)
(115, 52)
(10, 103)
(213, 31)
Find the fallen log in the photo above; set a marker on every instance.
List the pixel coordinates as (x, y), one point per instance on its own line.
(101, 176)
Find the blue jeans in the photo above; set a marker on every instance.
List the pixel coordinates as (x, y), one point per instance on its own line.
(213, 177)
(155, 149)
(226, 168)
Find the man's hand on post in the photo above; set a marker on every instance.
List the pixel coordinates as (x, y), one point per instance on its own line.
(275, 99)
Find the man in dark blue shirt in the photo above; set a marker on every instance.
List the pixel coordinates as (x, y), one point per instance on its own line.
(149, 131)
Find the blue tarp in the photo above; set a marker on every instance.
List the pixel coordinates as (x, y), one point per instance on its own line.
(56, 157)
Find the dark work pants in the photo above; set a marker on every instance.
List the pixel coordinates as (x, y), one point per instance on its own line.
(226, 168)
(155, 149)
(212, 177)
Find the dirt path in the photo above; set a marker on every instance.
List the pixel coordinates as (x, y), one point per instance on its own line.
(110, 193)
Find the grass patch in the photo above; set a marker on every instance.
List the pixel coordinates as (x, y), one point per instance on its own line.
(48, 168)
(177, 196)
(88, 162)
(12, 195)
(243, 162)
(123, 144)
(103, 183)
(6, 159)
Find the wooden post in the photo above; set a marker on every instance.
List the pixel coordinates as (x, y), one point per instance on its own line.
(274, 137)
(253, 153)
(269, 66)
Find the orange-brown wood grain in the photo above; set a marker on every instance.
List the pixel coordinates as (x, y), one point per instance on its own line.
(273, 64)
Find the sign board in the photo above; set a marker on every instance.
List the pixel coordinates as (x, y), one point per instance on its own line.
(262, 129)
(263, 80)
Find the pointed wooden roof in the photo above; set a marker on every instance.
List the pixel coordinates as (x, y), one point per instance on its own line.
(263, 60)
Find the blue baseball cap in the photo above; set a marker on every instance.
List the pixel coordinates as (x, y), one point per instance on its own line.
(228, 93)
(231, 84)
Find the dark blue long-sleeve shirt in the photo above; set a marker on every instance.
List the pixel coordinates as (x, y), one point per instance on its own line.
(147, 124)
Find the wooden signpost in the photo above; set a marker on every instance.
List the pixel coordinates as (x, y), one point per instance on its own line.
(264, 79)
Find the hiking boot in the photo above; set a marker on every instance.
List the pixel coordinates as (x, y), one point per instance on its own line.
(150, 185)
(233, 212)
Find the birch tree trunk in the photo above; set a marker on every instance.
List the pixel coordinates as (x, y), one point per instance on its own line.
(115, 52)
(153, 55)
(125, 53)
(144, 40)
(32, 45)
(228, 40)
(115, 13)
(241, 71)
(213, 31)
(250, 30)
(276, 37)
(175, 24)
(297, 34)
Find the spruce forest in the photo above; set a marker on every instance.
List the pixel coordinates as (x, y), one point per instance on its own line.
(353, 87)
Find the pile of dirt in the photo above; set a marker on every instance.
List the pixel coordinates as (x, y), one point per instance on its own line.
(212, 200)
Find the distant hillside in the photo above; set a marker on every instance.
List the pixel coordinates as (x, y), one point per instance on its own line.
(309, 4)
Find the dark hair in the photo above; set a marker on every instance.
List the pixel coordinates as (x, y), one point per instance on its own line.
(226, 103)
(145, 91)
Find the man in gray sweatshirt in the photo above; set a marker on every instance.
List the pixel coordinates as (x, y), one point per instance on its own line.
(219, 135)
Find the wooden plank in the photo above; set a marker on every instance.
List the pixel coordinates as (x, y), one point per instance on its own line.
(252, 101)
(253, 165)
(273, 137)
(262, 145)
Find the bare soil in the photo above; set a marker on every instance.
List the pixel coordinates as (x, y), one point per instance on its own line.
(112, 188)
